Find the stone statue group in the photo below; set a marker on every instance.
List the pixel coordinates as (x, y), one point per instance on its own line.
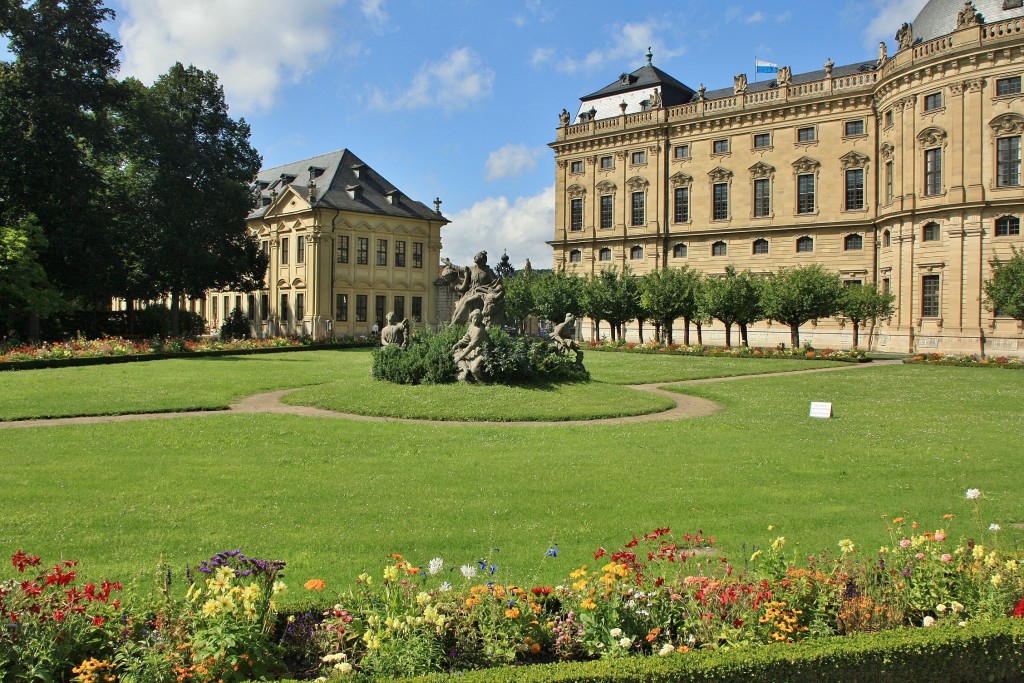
(481, 304)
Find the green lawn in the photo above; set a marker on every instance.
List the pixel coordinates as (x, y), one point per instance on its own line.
(645, 368)
(334, 497)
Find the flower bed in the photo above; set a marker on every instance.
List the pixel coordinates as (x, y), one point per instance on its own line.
(657, 595)
(115, 349)
(967, 360)
(848, 356)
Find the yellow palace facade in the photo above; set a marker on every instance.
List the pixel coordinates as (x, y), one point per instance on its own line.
(904, 171)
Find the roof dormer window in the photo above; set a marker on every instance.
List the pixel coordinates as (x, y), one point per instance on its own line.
(357, 170)
(354, 191)
(316, 172)
(393, 197)
(624, 79)
(287, 179)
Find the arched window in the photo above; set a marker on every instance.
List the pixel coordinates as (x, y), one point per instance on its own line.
(805, 244)
(575, 256)
(636, 253)
(605, 254)
(718, 249)
(760, 246)
(853, 243)
(679, 251)
(886, 238)
(930, 232)
(1007, 226)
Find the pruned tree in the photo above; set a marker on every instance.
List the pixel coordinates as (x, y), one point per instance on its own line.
(733, 298)
(1004, 291)
(864, 303)
(555, 294)
(794, 296)
(667, 295)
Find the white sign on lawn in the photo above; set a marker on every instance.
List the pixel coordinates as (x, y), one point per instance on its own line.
(821, 409)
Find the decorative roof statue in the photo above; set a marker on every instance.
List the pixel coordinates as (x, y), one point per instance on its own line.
(479, 288)
(563, 118)
(784, 76)
(828, 67)
(905, 36)
(700, 92)
(739, 84)
(468, 352)
(968, 16)
(656, 102)
(882, 56)
(527, 269)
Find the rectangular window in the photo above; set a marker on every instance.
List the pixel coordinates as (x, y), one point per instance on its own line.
(382, 252)
(853, 283)
(252, 306)
(265, 247)
(888, 182)
(284, 250)
(399, 308)
(360, 308)
(343, 249)
(1008, 86)
(576, 167)
(400, 253)
(720, 147)
(853, 128)
(805, 134)
(1008, 162)
(300, 249)
(720, 201)
(379, 304)
(887, 118)
(417, 254)
(362, 250)
(930, 296)
(576, 215)
(284, 308)
(933, 171)
(855, 189)
(885, 285)
(238, 302)
(762, 140)
(639, 157)
(681, 152)
(341, 308)
(264, 307)
(682, 205)
(606, 211)
(224, 304)
(930, 232)
(607, 162)
(762, 198)
(638, 217)
(933, 101)
(417, 308)
(805, 193)
(300, 307)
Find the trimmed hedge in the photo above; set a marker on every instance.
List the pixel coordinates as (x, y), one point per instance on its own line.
(992, 652)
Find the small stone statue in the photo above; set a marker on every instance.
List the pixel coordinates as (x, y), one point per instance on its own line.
(479, 289)
(527, 269)
(784, 76)
(700, 92)
(656, 99)
(468, 352)
(828, 68)
(905, 36)
(563, 118)
(564, 337)
(968, 16)
(882, 53)
(739, 84)
(394, 334)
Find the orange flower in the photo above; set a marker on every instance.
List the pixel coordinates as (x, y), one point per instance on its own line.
(535, 649)
(314, 585)
(897, 520)
(947, 516)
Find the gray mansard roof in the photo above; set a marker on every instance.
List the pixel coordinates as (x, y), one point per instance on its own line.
(648, 76)
(939, 17)
(343, 182)
(808, 77)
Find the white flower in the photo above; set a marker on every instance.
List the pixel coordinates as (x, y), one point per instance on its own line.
(444, 587)
(435, 566)
(666, 649)
(957, 607)
(469, 571)
(940, 608)
(343, 667)
(994, 528)
(928, 621)
(615, 633)
(973, 494)
(626, 643)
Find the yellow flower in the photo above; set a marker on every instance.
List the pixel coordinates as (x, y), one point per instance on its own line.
(512, 613)
(390, 573)
(582, 571)
(588, 604)
(580, 585)
(996, 580)
(778, 543)
(847, 546)
(250, 592)
(757, 554)
(422, 598)
(210, 607)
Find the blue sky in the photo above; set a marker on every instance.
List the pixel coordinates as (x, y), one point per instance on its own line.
(459, 98)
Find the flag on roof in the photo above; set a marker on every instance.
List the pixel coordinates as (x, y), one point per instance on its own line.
(765, 67)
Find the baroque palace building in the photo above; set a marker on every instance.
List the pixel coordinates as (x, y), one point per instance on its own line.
(904, 171)
(346, 247)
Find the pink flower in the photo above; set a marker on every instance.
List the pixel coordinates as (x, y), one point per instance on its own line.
(946, 557)
(919, 556)
(905, 543)
(939, 536)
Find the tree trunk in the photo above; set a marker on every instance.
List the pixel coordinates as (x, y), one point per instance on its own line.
(175, 306)
(856, 333)
(640, 328)
(597, 331)
(33, 327)
(728, 334)
(794, 337)
(744, 341)
(129, 310)
(686, 331)
(700, 335)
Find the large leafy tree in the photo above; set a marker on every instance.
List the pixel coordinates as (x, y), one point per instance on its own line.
(735, 299)
(519, 297)
(24, 288)
(193, 164)
(864, 303)
(612, 296)
(555, 294)
(667, 295)
(55, 97)
(793, 296)
(1004, 291)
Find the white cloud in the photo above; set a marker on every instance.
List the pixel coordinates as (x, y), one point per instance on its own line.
(455, 82)
(541, 55)
(755, 18)
(888, 16)
(511, 160)
(374, 11)
(494, 224)
(228, 37)
(629, 44)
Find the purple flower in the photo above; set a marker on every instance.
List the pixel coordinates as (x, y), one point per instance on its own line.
(552, 552)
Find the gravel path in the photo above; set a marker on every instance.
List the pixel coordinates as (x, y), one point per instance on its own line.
(270, 402)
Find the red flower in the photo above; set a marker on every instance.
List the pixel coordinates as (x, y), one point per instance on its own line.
(21, 560)
(58, 615)
(98, 621)
(1018, 611)
(600, 553)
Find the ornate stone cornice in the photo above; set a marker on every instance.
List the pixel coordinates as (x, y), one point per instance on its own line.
(1007, 124)
(806, 165)
(606, 187)
(854, 160)
(637, 184)
(932, 137)
(576, 191)
(562, 163)
(761, 170)
(680, 179)
(719, 174)
(904, 102)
